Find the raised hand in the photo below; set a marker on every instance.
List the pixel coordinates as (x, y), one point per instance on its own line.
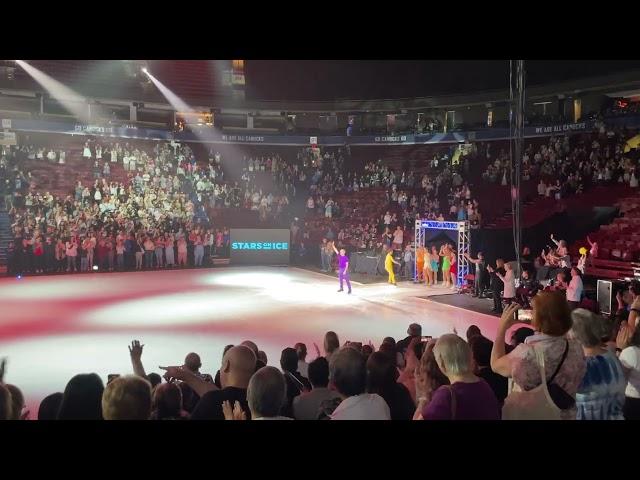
(508, 316)
(173, 372)
(315, 345)
(624, 333)
(3, 368)
(135, 350)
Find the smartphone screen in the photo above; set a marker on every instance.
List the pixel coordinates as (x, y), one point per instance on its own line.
(525, 316)
(426, 338)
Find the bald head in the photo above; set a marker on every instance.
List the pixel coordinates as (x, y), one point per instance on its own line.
(192, 362)
(238, 364)
(266, 393)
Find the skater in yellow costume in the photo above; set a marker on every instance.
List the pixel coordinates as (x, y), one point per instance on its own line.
(420, 253)
(388, 266)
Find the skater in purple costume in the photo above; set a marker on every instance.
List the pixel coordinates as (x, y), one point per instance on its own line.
(343, 268)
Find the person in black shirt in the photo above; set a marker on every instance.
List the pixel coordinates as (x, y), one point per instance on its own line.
(497, 285)
(382, 378)
(481, 348)
(49, 255)
(238, 365)
(414, 331)
(296, 383)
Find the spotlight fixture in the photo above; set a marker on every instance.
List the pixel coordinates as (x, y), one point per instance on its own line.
(144, 70)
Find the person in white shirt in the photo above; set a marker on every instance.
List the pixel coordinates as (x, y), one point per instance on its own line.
(349, 376)
(630, 359)
(509, 280)
(575, 288)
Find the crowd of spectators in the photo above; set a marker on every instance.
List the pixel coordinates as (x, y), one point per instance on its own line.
(164, 201)
(568, 165)
(590, 366)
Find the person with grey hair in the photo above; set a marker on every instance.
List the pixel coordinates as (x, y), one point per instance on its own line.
(266, 396)
(468, 397)
(601, 395)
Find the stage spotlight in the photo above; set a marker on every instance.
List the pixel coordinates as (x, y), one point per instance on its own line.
(144, 70)
(95, 268)
(19, 277)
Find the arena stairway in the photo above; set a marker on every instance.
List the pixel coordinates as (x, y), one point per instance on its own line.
(5, 235)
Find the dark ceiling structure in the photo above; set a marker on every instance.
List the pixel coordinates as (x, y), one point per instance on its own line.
(200, 82)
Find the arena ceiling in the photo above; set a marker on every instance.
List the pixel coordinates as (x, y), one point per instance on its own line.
(200, 81)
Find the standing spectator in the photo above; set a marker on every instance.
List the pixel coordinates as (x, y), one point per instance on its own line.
(303, 366)
(575, 288)
(601, 394)
(398, 238)
(630, 359)
(408, 263)
(497, 284)
(564, 363)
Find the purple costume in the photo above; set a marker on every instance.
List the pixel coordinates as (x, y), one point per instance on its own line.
(343, 271)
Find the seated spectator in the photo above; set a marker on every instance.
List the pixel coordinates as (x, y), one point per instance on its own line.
(254, 348)
(217, 378)
(82, 398)
(296, 383)
(429, 378)
(381, 379)
(414, 331)
(262, 357)
(473, 331)
(601, 394)
(349, 376)
(238, 364)
(167, 403)
(5, 403)
(520, 335)
(266, 395)
(17, 403)
(49, 406)
(481, 348)
(127, 398)
(562, 357)
(468, 397)
(154, 380)
(306, 406)
(630, 359)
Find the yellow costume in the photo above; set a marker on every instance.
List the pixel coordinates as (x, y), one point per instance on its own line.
(388, 266)
(420, 263)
